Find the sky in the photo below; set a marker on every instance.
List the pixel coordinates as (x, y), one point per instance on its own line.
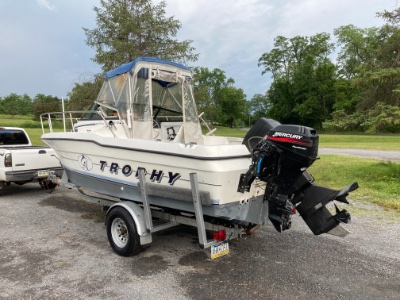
(43, 49)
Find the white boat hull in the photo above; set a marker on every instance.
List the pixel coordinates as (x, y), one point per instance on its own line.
(109, 166)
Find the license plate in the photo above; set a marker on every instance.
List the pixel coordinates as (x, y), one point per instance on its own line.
(43, 173)
(219, 249)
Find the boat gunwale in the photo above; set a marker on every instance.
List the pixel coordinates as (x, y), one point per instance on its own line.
(152, 151)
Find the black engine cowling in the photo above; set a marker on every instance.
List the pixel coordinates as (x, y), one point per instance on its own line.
(281, 155)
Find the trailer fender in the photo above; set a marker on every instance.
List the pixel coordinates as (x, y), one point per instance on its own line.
(138, 216)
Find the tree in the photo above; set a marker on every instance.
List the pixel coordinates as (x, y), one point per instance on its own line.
(258, 106)
(26, 105)
(14, 104)
(128, 29)
(370, 57)
(282, 102)
(233, 106)
(207, 89)
(44, 104)
(370, 60)
(357, 49)
(304, 79)
(83, 95)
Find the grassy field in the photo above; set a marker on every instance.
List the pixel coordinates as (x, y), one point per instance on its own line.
(360, 141)
(378, 180)
(372, 142)
(11, 120)
(354, 141)
(34, 135)
(226, 131)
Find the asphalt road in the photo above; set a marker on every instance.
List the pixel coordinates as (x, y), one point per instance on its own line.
(54, 246)
(375, 154)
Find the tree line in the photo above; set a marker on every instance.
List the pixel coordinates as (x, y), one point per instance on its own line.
(14, 105)
(359, 90)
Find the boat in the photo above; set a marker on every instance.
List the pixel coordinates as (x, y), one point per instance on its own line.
(145, 118)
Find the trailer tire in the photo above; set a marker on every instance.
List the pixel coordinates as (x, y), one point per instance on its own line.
(121, 232)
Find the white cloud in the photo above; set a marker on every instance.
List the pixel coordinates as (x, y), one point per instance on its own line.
(232, 35)
(309, 17)
(46, 4)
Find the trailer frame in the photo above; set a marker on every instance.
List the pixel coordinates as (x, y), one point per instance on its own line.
(142, 215)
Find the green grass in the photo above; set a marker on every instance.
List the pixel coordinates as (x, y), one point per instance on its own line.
(9, 118)
(226, 131)
(32, 127)
(34, 135)
(354, 141)
(360, 141)
(378, 180)
(18, 121)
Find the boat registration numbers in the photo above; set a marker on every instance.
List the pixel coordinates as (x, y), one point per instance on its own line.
(219, 249)
(43, 173)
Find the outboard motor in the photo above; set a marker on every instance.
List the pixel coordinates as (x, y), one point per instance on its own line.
(281, 155)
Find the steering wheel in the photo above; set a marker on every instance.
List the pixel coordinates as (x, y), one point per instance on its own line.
(156, 123)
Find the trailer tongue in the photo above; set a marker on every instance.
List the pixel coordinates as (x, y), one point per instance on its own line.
(280, 156)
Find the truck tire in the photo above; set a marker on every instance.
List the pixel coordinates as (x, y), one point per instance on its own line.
(121, 232)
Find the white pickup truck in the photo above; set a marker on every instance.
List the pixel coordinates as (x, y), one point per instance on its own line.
(20, 162)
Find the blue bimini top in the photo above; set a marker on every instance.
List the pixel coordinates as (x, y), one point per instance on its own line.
(125, 68)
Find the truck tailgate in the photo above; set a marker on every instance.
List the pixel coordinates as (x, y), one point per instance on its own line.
(44, 158)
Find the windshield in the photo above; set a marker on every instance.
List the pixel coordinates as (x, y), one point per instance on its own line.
(115, 94)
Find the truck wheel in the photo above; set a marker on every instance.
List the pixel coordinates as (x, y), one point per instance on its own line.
(121, 232)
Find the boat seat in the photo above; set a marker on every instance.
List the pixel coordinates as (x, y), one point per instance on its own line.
(179, 138)
(189, 134)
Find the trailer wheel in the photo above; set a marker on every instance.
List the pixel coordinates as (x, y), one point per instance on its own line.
(121, 232)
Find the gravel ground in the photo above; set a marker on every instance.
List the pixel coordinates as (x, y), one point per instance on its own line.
(54, 246)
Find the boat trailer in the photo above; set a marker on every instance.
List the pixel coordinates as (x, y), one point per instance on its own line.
(130, 224)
